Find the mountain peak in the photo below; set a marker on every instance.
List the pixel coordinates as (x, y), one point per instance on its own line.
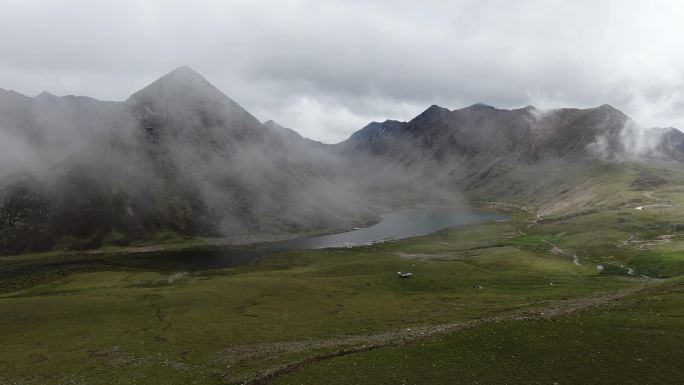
(373, 131)
(185, 71)
(183, 75)
(195, 105)
(608, 108)
(45, 96)
(480, 107)
(433, 110)
(271, 123)
(606, 111)
(391, 122)
(182, 81)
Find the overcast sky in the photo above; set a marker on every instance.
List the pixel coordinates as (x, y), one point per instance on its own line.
(327, 68)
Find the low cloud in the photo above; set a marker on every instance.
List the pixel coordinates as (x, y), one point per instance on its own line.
(327, 68)
(638, 141)
(633, 141)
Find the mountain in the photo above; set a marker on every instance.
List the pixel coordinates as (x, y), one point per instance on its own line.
(183, 105)
(468, 132)
(291, 136)
(484, 134)
(285, 133)
(671, 142)
(374, 137)
(180, 159)
(525, 155)
(176, 159)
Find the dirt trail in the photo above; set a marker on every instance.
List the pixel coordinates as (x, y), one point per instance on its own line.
(645, 244)
(536, 220)
(410, 336)
(649, 195)
(557, 250)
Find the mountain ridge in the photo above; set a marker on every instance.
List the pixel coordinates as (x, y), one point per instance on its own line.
(181, 157)
(178, 156)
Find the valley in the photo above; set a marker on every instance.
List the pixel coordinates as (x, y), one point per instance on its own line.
(226, 251)
(481, 295)
(295, 192)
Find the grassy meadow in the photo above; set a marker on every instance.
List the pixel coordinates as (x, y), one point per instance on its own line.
(341, 316)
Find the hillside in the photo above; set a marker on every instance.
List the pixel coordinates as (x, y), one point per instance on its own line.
(177, 159)
(589, 257)
(180, 160)
(525, 156)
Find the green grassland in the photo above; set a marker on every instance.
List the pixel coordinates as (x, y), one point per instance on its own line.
(99, 324)
(638, 341)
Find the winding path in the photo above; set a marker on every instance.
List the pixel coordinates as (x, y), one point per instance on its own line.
(649, 195)
(557, 250)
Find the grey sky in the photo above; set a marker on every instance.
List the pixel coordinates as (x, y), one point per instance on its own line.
(326, 68)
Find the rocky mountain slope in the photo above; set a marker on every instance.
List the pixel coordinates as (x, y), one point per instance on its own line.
(178, 158)
(525, 155)
(526, 135)
(483, 137)
(181, 159)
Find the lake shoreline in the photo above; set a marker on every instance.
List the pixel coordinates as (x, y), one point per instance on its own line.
(194, 256)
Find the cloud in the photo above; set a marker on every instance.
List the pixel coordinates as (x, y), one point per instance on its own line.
(325, 68)
(16, 152)
(313, 115)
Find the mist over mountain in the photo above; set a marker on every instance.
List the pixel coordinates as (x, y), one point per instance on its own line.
(525, 155)
(180, 158)
(526, 134)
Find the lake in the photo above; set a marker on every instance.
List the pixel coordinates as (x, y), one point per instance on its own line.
(394, 226)
(397, 225)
